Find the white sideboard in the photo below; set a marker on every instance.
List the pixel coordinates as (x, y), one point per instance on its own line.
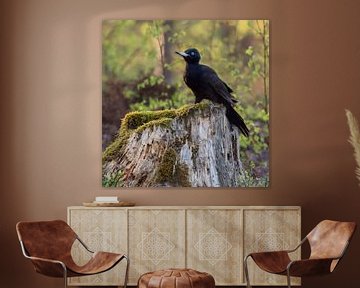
(212, 239)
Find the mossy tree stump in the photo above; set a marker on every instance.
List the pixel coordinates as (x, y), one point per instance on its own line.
(194, 146)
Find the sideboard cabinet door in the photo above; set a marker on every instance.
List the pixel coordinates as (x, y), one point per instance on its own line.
(269, 230)
(101, 230)
(156, 240)
(214, 244)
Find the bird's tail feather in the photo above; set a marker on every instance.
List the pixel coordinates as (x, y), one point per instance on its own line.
(237, 120)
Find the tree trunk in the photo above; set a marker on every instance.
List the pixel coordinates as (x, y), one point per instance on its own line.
(194, 146)
(168, 51)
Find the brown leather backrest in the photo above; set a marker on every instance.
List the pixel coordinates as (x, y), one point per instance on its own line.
(329, 238)
(46, 239)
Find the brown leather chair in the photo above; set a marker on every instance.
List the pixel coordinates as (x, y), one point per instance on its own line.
(328, 242)
(48, 245)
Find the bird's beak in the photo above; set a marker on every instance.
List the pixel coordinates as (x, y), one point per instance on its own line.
(183, 54)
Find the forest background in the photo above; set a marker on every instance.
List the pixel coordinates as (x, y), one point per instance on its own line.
(141, 72)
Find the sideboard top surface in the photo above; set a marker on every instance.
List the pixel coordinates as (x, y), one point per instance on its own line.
(193, 207)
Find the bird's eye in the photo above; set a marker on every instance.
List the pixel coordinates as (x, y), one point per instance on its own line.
(192, 53)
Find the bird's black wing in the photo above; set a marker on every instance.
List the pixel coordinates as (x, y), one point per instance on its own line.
(227, 87)
(219, 87)
(230, 91)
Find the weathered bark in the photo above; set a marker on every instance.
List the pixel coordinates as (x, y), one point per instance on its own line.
(198, 149)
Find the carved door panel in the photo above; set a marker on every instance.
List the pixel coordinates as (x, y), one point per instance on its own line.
(214, 244)
(101, 230)
(269, 230)
(156, 240)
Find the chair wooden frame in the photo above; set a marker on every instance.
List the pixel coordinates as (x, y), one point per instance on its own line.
(58, 268)
(314, 265)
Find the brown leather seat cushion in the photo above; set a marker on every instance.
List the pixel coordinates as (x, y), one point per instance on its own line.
(176, 278)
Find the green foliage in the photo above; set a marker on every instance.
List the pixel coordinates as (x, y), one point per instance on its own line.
(114, 180)
(259, 62)
(248, 180)
(134, 52)
(254, 150)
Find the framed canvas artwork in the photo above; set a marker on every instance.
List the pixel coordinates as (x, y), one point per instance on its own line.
(185, 103)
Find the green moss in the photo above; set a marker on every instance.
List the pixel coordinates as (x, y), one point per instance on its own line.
(186, 109)
(140, 120)
(115, 148)
(164, 122)
(134, 120)
(171, 172)
(166, 169)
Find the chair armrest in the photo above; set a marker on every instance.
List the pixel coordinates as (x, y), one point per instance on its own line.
(48, 267)
(280, 251)
(268, 253)
(309, 267)
(298, 246)
(271, 261)
(84, 245)
(45, 260)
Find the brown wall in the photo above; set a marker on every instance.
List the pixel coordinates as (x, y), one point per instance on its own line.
(50, 114)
